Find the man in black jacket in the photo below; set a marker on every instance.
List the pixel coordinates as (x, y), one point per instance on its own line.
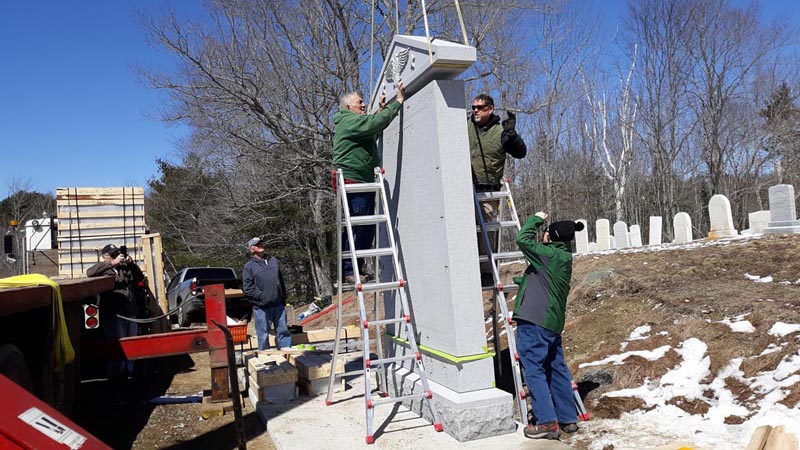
(262, 283)
(489, 142)
(123, 300)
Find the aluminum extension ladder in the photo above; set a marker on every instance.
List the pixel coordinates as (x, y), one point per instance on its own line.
(506, 203)
(397, 284)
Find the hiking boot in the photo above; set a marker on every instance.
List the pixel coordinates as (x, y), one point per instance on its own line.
(542, 431)
(569, 427)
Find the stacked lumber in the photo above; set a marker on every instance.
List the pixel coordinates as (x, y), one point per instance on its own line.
(271, 378)
(314, 369)
(772, 438)
(89, 218)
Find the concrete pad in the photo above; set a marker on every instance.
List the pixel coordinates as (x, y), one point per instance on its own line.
(308, 423)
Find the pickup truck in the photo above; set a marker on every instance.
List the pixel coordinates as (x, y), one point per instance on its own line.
(185, 292)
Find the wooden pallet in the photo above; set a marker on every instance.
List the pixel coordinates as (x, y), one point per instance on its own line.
(90, 218)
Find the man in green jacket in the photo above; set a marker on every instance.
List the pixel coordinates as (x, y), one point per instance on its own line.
(489, 142)
(355, 151)
(540, 311)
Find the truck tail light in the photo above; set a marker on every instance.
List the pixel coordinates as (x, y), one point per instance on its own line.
(91, 316)
(193, 286)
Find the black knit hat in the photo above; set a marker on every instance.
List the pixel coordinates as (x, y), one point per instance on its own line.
(564, 231)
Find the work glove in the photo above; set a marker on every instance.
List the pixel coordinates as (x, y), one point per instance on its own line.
(510, 124)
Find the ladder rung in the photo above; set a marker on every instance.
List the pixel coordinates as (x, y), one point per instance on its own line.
(506, 287)
(373, 286)
(387, 321)
(497, 225)
(362, 187)
(370, 252)
(382, 401)
(377, 362)
(368, 220)
(486, 196)
(502, 255)
(347, 374)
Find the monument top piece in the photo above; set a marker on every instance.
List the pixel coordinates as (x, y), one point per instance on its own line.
(410, 61)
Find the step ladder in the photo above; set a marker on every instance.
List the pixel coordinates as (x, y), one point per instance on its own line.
(396, 284)
(506, 207)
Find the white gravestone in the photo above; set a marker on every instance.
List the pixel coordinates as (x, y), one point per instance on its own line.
(682, 225)
(602, 228)
(783, 212)
(592, 247)
(612, 242)
(757, 220)
(635, 236)
(582, 239)
(719, 213)
(427, 167)
(654, 238)
(621, 235)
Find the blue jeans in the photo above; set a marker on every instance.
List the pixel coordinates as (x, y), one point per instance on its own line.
(546, 374)
(277, 316)
(359, 204)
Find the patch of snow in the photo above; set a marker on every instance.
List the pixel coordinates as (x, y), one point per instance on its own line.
(782, 329)
(650, 355)
(739, 325)
(639, 333)
(772, 348)
(666, 423)
(758, 279)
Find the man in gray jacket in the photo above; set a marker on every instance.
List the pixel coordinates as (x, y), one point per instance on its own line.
(262, 283)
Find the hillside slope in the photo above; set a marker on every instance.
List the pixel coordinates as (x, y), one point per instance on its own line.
(696, 342)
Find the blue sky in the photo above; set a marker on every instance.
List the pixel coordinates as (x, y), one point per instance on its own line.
(72, 110)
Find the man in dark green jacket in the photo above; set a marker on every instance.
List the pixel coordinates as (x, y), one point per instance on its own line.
(355, 151)
(540, 310)
(489, 142)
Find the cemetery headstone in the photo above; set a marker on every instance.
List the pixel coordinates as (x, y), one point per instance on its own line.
(621, 235)
(582, 239)
(757, 221)
(603, 229)
(783, 212)
(682, 226)
(719, 212)
(635, 236)
(654, 238)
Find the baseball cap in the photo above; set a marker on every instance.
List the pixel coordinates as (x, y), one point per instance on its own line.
(253, 241)
(110, 249)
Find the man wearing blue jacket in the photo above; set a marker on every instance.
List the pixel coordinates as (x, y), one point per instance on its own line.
(262, 283)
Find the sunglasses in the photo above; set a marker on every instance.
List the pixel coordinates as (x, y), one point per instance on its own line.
(481, 107)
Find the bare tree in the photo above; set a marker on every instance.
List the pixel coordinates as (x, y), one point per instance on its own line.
(658, 29)
(614, 151)
(726, 47)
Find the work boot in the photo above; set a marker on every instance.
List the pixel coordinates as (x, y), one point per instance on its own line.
(569, 427)
(542, 431)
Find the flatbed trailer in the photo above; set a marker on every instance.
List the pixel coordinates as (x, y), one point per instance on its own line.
(27, 337)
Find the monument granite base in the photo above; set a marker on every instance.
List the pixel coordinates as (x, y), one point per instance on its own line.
(465, 416)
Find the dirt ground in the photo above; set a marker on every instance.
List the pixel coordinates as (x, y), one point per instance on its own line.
(123, 416)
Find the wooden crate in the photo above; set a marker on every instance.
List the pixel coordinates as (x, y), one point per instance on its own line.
(90, 218)
(268, 370)
(312, 366)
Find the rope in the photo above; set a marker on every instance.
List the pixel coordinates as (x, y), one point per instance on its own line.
(427, 30)
(461, 21)
(371, 50)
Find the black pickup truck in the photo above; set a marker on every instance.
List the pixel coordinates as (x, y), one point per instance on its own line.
(186, 290)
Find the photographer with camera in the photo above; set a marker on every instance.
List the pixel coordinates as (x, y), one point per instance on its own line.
(128, 288)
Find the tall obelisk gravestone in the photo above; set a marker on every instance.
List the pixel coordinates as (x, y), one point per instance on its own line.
(427, 167)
